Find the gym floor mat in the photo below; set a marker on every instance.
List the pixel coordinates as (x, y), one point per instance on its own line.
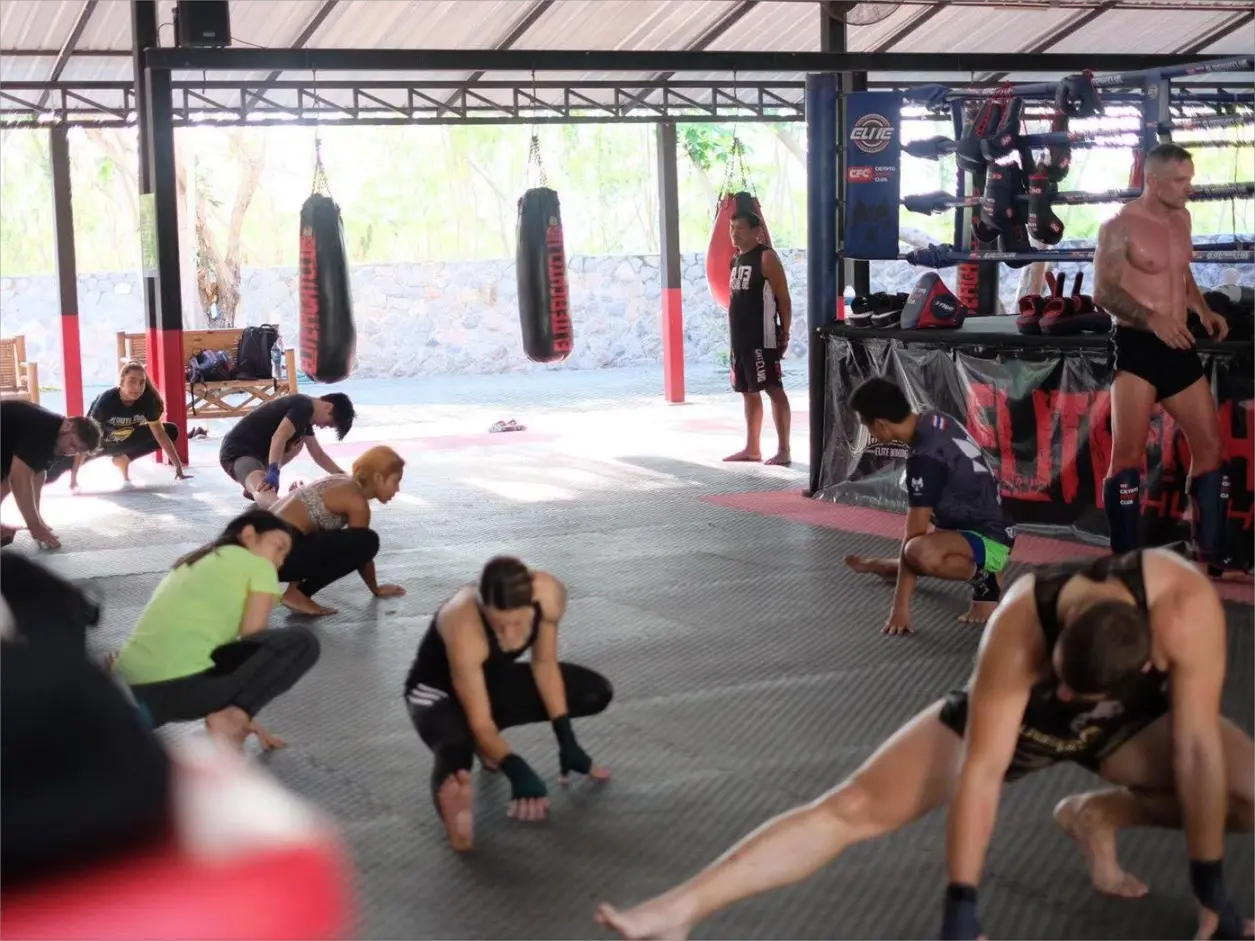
(750, 675)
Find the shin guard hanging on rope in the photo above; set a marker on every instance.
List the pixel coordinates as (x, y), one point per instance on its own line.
(540, 266)
(328, 337)
(735, 196)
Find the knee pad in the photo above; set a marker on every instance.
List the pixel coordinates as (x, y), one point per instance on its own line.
(1209, 511)
(1122, 494)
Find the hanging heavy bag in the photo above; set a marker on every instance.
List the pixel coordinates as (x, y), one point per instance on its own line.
(540, 268)
(328, 338)
(736, 195)
(540, 264)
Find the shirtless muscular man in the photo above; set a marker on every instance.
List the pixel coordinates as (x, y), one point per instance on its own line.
(1142, 270)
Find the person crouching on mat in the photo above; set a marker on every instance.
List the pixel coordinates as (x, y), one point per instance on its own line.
(464, 687)
(201, 649)
(331, 519)
(130, 417)
(949, 485)
(31, 438)
(270, 436)
(1074, 666)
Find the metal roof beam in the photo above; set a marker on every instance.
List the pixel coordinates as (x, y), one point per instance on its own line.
(521, 60)
(67, 48)
(909, 27)
(517, 32)
(1059, 34)
(302, 38)
(1220, 32)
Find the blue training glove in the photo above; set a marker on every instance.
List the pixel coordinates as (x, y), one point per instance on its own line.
(525, 783)
(570, 756)
(959, 920)
(272, 477)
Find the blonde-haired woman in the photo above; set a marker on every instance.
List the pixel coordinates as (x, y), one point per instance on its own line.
(332, 517)
(130, 417)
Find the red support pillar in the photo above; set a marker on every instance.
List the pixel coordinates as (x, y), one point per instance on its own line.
(67, 268)
(669, 268)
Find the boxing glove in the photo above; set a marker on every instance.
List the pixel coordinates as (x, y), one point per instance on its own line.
(1043, 224)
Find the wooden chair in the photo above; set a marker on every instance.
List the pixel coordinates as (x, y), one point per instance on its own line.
(214, 399)
(18, 378)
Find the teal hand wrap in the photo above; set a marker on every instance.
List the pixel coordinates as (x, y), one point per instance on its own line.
(570, 756)
(525, 783)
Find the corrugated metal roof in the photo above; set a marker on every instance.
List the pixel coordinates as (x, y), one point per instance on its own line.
(770, 25)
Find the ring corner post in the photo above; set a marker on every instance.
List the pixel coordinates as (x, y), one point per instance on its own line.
(67, 268)
(159, 143)
(822, 262)
(670, 266)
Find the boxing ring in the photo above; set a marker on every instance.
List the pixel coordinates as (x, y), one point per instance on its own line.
(1038, 404)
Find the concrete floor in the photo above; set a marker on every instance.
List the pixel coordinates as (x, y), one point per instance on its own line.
(749, 670)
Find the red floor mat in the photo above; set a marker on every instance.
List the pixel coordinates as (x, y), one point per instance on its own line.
(1029, 549)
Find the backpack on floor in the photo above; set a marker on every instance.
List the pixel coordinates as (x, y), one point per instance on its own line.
(253, 355)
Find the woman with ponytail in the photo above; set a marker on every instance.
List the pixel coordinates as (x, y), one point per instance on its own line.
(331, 519)
(201, 649)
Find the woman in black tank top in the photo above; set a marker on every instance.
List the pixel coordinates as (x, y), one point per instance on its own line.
(466, 685)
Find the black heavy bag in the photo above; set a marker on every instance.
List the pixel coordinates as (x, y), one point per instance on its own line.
(540, 264)
(328, 336)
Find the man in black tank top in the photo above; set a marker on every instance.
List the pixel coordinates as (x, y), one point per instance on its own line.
(1074, 666)
(465, 686)
(760, 314)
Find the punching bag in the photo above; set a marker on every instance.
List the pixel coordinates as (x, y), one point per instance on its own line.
(721, 251)
(328, 337)
(540, 264)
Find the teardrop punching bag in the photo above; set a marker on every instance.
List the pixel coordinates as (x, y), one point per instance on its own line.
(328, 338)
(540, 265)
(721, 251)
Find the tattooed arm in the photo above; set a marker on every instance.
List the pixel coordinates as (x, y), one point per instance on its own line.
(1110, 260)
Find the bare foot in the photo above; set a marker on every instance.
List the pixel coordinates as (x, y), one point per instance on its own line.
(1097, 843)
(782, 459)
(978, 613)
(456, 801)
(885, 568)
(651, 920)
(268, 740)
(230, 725)
(743, 455)
(295, 600)
(6, 534)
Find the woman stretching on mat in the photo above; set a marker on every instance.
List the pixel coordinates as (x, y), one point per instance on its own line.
(201, 649)
(465, 686)
(130, 416)
(331, 518)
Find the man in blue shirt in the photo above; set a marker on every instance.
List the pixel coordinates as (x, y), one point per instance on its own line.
(950, 486)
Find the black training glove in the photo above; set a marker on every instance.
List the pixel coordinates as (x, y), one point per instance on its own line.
(1207, 881)
(959, 920)
(525, 784)
(570, 756)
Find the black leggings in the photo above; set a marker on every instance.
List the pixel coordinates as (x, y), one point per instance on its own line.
(442, 725)
(326, 556)
(139, 443)
(248, 673)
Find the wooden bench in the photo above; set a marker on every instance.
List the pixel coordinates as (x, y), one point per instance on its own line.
(210, 399)
(18, 378)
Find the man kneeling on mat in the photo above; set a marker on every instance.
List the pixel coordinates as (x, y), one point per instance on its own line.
(201, 649)
(949, 485)
(268, 437)
(1084, 662)
(331, 519)
(465, 686)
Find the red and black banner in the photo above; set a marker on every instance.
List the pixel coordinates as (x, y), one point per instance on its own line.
(1043, 417)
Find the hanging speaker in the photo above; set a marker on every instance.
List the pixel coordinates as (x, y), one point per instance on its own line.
(200, 23)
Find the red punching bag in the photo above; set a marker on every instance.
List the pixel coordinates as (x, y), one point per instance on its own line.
(721, 251)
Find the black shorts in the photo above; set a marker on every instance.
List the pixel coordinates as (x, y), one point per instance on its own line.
(756, 370)
(1146, 356)
(1036, 750)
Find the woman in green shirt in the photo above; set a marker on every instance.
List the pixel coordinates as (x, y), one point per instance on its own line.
(201, 649)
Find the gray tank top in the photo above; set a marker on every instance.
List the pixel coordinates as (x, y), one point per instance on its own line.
(312, 497)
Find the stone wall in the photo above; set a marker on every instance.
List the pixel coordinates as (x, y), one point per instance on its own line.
(440, 318)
